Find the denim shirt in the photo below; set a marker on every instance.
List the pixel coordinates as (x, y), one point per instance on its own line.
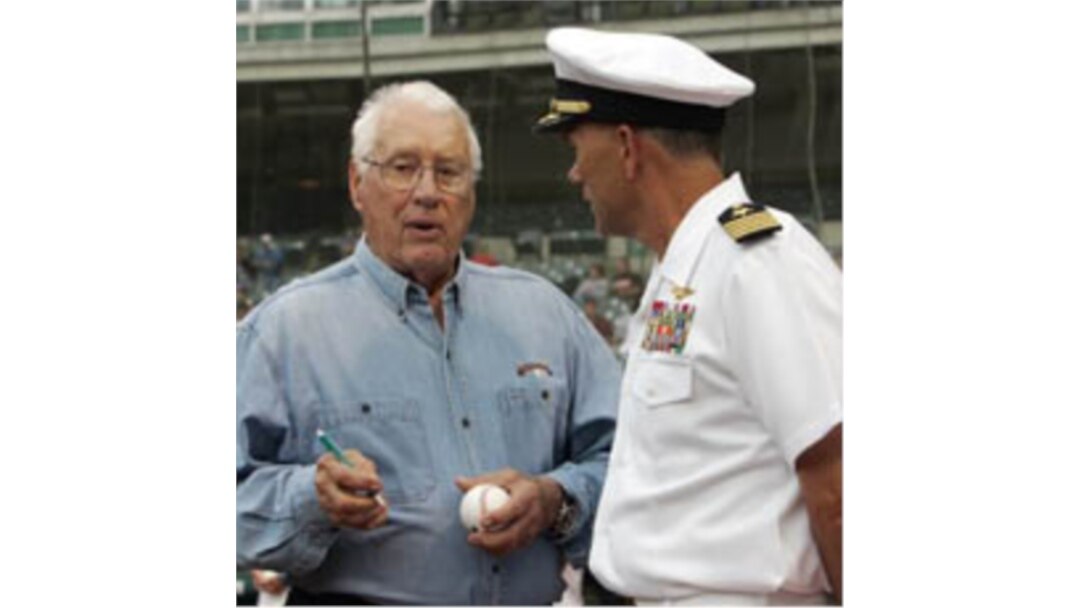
(517, 379)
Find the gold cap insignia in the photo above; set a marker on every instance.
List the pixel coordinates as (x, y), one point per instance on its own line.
(566, 106)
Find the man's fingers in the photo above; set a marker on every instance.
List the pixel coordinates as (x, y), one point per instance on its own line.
(502, 477)
(361, 462)
(524, 496)
(360, 486)
(508, 513)
(348, 495)
(364, 519)
(325, 486)
(268, 581)
(501, 542)
(513, 526)
(378, 518)
(356, 512)
(357, 506)
(331, 482)
(465, 483)
(360, 476)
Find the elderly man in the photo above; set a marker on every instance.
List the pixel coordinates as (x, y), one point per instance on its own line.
(434, 374)
(725, 480)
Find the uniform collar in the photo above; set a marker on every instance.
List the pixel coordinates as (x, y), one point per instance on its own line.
(689, 238)
(399, 290)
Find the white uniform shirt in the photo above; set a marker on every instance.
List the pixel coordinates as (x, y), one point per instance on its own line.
(701, 493)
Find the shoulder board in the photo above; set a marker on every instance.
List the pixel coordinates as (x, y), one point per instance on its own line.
(748, 222)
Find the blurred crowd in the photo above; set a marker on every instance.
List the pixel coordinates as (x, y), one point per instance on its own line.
(265, 263)
(608, 292)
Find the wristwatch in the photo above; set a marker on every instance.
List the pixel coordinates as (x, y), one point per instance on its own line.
(565, 518)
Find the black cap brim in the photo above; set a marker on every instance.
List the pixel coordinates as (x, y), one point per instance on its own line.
(575, 102)
(555, 122)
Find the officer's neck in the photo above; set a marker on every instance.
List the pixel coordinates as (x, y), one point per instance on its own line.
(669, 189)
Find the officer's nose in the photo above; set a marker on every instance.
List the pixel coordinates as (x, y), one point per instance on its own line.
(574, 175)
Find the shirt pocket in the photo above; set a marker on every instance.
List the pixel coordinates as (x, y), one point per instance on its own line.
(529, 412)
(659, 382)
(390, 433)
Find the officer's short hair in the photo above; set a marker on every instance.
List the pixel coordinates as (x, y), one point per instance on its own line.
(685, 143)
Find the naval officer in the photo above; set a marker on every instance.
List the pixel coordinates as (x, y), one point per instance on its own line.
(724, 485)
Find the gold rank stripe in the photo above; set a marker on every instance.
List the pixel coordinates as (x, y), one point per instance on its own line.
(750, 224)
(564, 106)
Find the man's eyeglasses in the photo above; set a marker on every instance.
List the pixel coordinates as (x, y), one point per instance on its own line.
(403, 174)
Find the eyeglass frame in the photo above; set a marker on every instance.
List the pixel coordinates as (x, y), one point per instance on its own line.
(422, 168)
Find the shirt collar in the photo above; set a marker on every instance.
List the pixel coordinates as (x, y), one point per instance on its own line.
(398, 289)
(687, 241)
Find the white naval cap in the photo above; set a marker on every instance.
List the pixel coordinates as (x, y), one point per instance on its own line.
(650, 80)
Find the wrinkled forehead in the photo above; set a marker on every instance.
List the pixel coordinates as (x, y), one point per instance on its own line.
(411, 128)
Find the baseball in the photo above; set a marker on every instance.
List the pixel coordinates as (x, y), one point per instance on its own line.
(480, 501)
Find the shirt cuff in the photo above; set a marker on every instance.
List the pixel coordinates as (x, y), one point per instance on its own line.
(566, 479)
(314, 527)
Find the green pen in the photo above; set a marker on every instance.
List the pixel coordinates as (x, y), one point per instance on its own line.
(333, 448)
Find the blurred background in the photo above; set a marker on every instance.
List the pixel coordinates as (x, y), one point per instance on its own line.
(302, 72)
(303, 67)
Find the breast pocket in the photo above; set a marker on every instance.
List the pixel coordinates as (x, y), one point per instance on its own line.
(530, 409)
(662, 403)
(659, 382)
(391, 433)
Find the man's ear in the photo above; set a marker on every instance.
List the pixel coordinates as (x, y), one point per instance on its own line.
(629, 151)
(354, 187)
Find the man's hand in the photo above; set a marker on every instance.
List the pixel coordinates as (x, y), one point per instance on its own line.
(347, 494)
(532, 508)
(820, 470)
(268, 581)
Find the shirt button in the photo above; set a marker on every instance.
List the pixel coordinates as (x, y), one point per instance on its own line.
(495, 569)
(545, 395)
(366, 408)
(465, 422)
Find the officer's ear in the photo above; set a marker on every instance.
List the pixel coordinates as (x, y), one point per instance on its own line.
(354, 187)
(629, 151)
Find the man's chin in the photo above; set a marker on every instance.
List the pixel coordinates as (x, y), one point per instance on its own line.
(430, 259)
(424, 248)
(600, 226)
(599, 222)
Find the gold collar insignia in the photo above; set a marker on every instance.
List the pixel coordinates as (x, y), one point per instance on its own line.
(681, 293)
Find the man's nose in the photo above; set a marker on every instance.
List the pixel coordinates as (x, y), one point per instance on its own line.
(426, 190)
(573, 174)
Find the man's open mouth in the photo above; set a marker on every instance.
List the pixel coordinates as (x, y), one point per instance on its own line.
(423, 227)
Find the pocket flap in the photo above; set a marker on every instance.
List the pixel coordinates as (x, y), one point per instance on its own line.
(660, 381)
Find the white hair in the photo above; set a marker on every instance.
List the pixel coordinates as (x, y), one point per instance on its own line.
(430, 96)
